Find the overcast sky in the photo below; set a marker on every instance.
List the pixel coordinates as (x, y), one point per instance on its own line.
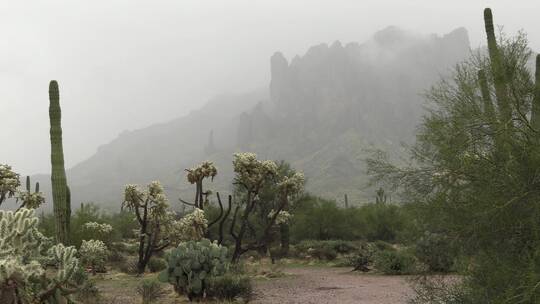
(123, 65)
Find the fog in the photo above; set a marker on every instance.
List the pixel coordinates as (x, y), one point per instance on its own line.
(124, 65)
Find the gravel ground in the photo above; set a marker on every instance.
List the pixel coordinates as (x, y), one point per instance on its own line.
(332, 285)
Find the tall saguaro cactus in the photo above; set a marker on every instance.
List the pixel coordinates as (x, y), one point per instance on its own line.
(497, 70)
(535, 112)
(62, 210)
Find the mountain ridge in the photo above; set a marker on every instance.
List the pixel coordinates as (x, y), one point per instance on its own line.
(322, 112)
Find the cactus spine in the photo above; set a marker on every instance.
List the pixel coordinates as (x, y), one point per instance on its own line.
(58, 173)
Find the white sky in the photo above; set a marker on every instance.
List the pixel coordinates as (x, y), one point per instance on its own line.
(125, 64)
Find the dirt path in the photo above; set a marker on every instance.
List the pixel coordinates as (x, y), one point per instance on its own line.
(332, 285)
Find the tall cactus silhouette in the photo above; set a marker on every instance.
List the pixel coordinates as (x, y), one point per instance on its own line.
(497, 70)
(535, 112)
(60, 191)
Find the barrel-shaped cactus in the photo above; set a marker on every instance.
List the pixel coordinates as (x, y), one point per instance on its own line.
(192, 263)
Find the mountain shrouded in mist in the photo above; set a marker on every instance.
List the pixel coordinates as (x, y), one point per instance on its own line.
(322, 112)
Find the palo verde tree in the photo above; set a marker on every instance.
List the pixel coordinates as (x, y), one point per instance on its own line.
(251, 176)
(474, 172)
(60, 190)
(151, 211)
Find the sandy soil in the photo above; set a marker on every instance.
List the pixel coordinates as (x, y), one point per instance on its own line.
(332, 285)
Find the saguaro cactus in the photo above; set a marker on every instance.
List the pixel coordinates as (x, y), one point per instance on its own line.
(497, 69)
(62, 210)
(535, 112)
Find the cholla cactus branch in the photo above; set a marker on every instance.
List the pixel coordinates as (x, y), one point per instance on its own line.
(9, 182)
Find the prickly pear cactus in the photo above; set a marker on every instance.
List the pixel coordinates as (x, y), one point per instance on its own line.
(23, 258)
(191, 264)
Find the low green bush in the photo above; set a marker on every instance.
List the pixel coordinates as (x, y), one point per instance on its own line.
(361, 259)
(156, 264)
(436, 252)
(324, 250)
(229, 287)
(395, 262)
(150, 290)
(129, 266)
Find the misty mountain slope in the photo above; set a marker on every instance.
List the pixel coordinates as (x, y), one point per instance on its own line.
(324, 111)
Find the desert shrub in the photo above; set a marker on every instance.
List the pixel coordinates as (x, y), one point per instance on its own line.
(435, 251)
(382, 246)
(94, 254)
(362, 258)
(150, 290)
(123, 223)
(395, 262)
(319, 219)
(191, 264)
(156, 264)
(229, 287)
(327, 250)
(129, 266)
(88, 293)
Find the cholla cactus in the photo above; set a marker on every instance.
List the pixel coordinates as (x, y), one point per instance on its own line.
(29, 199)
(192, 227)
(251, 172)
(196, 176)
(192, 263)
(9, 182)
(283, 217)
(97, 227)
(151, 210)
(94, 254)
(292, 184)
(23, 278)
(203, 170)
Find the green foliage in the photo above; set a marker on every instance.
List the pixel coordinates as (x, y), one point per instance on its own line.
(362, 258)
(395, 262)
(150, 291)
(156, 264)
(62, 210)
(23, 254)
(191, 264)
(473, 173)
(435, 251)
(319, 219)
(229, 286)
(324, 250)
(129, 266)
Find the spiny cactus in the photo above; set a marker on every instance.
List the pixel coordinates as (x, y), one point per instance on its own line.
(23, 254)
(60, 191)
(192, 227)
(151, 210)
(196, 176)
(30, 199)
(192, 263)
(497, 70)
(9, 182)
(94, 254)
(535, 112)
